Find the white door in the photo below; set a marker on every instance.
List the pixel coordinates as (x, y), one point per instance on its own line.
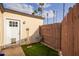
(11, 31)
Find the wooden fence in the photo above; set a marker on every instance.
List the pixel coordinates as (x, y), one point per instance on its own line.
(51, 35)
(64, 37)
(70, 32)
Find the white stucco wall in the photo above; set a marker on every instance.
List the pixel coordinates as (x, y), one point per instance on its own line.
(1, 28)
(30, 22)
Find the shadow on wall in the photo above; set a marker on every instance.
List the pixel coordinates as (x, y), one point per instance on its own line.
(28, 40)
(35, 37)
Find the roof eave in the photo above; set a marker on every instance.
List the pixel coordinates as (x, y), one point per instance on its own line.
(1, 7)
(21, 13)
(17, 12)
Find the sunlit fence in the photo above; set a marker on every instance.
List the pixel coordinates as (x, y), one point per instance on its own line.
(64, 37)
(51, 35)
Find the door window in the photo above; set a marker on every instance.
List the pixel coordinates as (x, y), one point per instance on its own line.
(13, 24)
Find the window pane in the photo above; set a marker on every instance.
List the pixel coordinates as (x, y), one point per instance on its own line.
(16, 24)
(13, 24)
(10, 23)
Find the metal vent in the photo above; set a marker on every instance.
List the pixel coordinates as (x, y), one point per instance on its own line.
(13, 40)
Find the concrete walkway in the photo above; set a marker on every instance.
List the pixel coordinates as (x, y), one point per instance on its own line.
(13, 51)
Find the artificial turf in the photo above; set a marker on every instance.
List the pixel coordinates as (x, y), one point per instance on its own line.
(39, 49)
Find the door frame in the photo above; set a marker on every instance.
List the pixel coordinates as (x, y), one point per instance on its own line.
(19, 27)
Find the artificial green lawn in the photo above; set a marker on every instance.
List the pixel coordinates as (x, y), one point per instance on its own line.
(39, 49)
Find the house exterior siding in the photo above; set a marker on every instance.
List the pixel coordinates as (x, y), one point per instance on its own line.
(31, 23)
(1, 27)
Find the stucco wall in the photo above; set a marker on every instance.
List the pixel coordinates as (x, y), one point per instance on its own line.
(1, 28)
(31, 23)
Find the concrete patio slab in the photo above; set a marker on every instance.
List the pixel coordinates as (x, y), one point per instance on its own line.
(13, 51)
